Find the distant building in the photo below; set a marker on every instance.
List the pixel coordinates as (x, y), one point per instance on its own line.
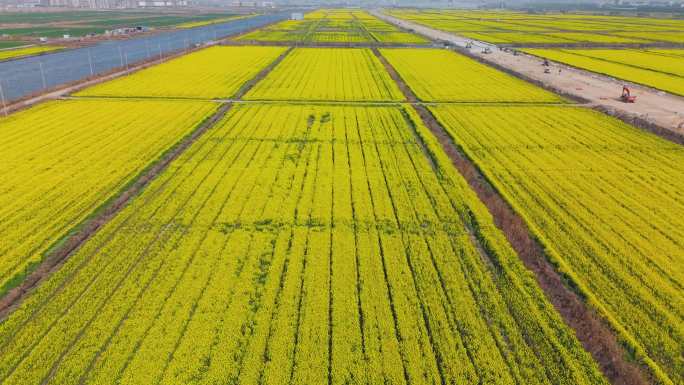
(162, 3)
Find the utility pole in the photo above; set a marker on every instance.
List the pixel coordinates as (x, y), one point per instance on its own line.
(2, 96)
(42, 74)
(90, 62)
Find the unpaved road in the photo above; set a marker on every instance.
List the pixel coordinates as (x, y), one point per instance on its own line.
(652, 106)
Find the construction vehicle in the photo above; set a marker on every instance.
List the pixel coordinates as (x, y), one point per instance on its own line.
(487, 51)
(627, 96)
(469, 45)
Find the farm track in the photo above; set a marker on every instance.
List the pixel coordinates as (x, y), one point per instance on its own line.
(73, 241)
(313, 44)
(596, 45)
(591, 329)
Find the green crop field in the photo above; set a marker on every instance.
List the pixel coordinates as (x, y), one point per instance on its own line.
(57, 24)
(4, 44)
(289, 245)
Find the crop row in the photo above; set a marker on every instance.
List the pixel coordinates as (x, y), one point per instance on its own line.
(55, 169)
(297, 244)
(604, 199)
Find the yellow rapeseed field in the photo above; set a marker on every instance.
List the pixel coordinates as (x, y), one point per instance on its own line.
(317, 232)
(21, 52)
(328, 74)
(216, 72)
(604, 198)
(61, 160)
(297, 245)
(438, 75)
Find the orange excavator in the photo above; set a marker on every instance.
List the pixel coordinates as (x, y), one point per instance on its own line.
(627, 96)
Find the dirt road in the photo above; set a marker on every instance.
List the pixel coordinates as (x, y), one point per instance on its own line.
(652, 107)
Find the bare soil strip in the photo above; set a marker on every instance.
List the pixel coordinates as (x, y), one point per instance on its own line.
(63, 249)
(325, 44)
(591, 329)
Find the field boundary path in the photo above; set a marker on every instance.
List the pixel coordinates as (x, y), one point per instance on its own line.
(654, 110)
(89, 227)
(325, 44)
(590, 328)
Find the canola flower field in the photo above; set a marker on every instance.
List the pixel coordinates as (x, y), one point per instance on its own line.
(216, 72)
(55, 169)
(662, 69)
(327, 74)
(293, 245)
(604, 198)
(195, 24)
(437, 75)
(27, 51)
(318, 232)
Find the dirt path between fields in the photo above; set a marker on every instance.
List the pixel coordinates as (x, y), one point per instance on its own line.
(654, 110)
(88, 228)
(323, 44)
(591, 329)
